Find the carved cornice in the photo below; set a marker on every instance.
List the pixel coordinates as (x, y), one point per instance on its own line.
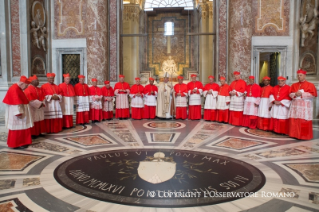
(131, 12)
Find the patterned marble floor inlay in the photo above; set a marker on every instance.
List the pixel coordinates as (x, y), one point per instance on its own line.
(162, 137)
(89, 140)
(237, 143)
(13, 205)
(7, 184)
(3, 136)
(143, 177)
(164, 125)
(162, 165)
(263, 133)
(281, 153)
(125, 135)
(16, 161)
(77, 128)
(31, 182)
(308, 171)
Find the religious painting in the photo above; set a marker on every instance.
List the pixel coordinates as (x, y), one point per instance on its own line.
(168, 53)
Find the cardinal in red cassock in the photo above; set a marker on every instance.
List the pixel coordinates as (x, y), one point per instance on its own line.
(18, 115)
(300, 114)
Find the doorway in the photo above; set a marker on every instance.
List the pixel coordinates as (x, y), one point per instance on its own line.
(71, 65)
(269, 65)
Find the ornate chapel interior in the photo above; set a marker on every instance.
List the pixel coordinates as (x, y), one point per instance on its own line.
(104, 39)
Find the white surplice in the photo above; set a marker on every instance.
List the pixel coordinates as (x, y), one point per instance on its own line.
(194, 98)
(52, 108)
(211, 100)
(279, 111)
(222, 102)
(15, 123)
(83, 103)
(150, 100)
(249, 106)
(301, 108)
(263, 110)
(121, 99)
(137, 101)
(67, 105)
(237, 102)
(36, 112)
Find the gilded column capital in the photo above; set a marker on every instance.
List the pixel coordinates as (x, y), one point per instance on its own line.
(131, 12)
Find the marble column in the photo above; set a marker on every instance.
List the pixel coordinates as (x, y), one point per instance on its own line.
(240, 37)
(210, 27)
(222, 38)
(203, 43)
(114, 38)
(131, 44)
(97, 51)
(15, 38)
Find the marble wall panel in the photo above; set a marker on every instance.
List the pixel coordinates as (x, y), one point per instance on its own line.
(97, 41)
(240, 37)
(70, 18)
(222, 42)
(15, 38)
(271, 17)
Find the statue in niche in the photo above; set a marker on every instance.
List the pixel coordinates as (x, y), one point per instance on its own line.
(38, 29)
(34, 32)
(169, 66)
(308, 22)
(43, 37)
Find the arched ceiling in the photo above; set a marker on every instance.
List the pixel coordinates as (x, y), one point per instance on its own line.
(168, 3)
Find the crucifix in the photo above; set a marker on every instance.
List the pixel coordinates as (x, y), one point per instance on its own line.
(168, 37)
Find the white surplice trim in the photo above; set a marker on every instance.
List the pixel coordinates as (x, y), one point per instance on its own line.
(150, 100)
(222, 102)
(301, 108)
(181, 101)
(121, 100)
(279, 111)
(249, 106)
(263, 110)
(67, 105)
(52, 108)
(195, 99)
(237, 102)
(137, 101)
(108, 105)
(82, 103)
(211, 100)
(15, 123)
(94, 104)
(36, 112)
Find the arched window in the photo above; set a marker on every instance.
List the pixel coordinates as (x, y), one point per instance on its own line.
(150, 4)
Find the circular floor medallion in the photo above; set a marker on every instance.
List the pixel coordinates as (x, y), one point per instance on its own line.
(159, 177)
(164, 125)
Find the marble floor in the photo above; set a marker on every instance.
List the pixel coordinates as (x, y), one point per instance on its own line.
(156, 165)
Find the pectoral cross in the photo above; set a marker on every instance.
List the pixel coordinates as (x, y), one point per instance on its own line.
(168, 38)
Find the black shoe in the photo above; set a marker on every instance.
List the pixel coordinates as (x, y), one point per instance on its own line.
(25, 146)
(34, 136)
